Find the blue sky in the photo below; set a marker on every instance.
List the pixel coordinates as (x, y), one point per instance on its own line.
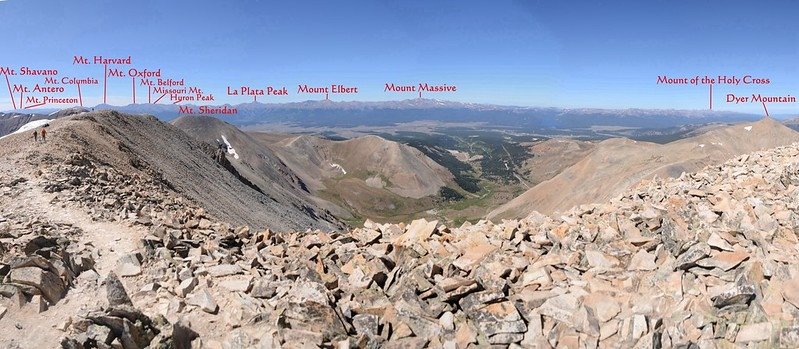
(604, 54)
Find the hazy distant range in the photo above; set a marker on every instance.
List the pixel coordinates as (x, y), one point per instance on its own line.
(315, 114)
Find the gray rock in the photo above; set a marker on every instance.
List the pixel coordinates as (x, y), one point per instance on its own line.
(447, 321)
(561, 308)
(365, 324)
(506, 338)
(204, 301)
(223, 270)
(100, 334)
(477, 299)
(688, 259)
(115, 291)
(263, 288)
(129, 265)
(186, 286)
(789, 337)
(735, 295)
(754, 332)
(39, 303)
(237, 284)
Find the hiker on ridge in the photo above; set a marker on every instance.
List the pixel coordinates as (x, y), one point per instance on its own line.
(36, 135)
(44, 135)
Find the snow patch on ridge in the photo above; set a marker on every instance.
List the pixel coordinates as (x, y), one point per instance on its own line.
(748, 128)
(230, 149)
(339, 167)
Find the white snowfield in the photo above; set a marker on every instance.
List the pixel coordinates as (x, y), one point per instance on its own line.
(230, 149)
(339, 167)
(748, 128)
(29, 126)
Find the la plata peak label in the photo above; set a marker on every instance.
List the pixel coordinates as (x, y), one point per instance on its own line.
(101, 60)
(421, 87)
(254, 91)
(336, 88)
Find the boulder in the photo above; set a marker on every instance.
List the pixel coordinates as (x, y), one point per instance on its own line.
(50, 285)
(203, 300)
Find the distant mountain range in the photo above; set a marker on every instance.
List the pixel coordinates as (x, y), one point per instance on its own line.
(349, 114)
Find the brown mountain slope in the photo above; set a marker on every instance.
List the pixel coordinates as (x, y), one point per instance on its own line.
(552, 156)
(375, 177)
(144, 146)
(254, 161)
(617, 164)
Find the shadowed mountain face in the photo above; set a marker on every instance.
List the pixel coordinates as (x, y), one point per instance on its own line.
(148, 147)
(253, 161)
(617, 164)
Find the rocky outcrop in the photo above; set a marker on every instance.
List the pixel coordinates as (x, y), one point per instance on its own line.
(122, 325)
(39, 262)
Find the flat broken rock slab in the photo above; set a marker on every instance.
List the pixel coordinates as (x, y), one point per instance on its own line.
(50, 285)
(223, 270)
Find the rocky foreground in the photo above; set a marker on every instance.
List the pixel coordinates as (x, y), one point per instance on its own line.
(706, 260)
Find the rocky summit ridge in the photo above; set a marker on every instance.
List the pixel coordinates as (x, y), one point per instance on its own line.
(708, 259)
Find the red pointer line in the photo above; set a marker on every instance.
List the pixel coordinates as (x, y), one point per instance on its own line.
(133, 86)
(420, 94)
(159, 98)
(711, 96)
(766, 109)
(80, 96)
(149, 94)
(10, 93)
(35, 105)
(105, 83)
(20, 98)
